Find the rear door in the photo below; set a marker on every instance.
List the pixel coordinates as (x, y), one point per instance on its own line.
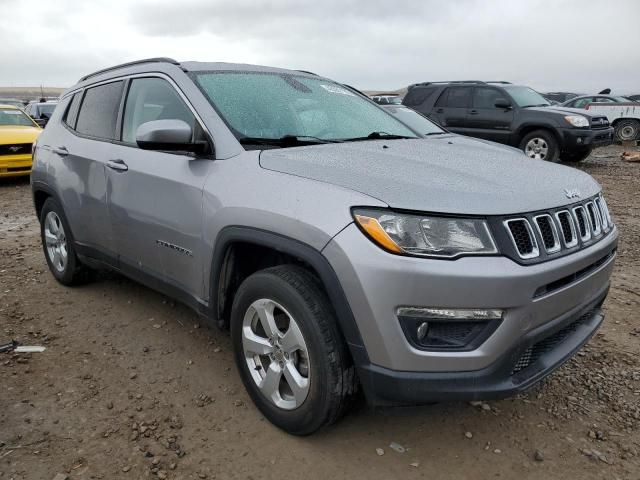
(82, 146)
(485, 119)
(155, 197)
(451, 109)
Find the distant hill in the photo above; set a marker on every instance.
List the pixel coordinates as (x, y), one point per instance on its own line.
(30, 93)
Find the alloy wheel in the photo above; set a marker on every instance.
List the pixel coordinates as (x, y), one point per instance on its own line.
(56, 241)
(537, 148)
(276, 354)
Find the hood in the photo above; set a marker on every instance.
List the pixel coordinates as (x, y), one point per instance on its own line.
(560, 110)
(18, 134)
(445, 174)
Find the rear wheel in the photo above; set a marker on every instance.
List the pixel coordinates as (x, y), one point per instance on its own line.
(291, 356)
(540, 145)
(58, 247)
(627, 129)
(576, 155)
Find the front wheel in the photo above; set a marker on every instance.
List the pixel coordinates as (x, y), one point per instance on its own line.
(540, 145)
(575, 156)
(291, 356)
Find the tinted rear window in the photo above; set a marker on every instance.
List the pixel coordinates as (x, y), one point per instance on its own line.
(99, 111)
(418, 95)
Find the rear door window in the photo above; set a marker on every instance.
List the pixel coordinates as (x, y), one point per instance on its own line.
(455, 97)
(99, 111)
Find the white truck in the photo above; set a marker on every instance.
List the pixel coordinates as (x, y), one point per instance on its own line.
(624, 117)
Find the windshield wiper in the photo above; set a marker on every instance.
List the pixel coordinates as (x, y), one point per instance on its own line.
(435, 133)
(286, 140)
(539, 105)
(378, 136)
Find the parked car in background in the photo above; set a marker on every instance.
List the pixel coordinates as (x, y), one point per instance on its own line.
(513, 115)
(559, 97)
(18, 132)
(387, 99)
(584, 100)
(41, 111)
(624, 117)
(343, 250)
(12, 101)
(635, 98)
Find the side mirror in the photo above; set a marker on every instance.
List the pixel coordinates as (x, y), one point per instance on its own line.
(40, 121)
(502, 103)
(168, 135)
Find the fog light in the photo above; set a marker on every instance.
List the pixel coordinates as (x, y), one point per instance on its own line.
(448, 329)
(579, 139)
(422, 331)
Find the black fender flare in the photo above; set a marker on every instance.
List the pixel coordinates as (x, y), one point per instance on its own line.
(313, 257)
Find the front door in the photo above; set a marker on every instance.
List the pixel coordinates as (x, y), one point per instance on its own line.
(486, 120)
(155, 198)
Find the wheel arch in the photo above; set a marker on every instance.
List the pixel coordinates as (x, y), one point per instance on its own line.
(260, 249)
(524, 130)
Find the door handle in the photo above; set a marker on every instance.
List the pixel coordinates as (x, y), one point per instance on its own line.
(62, 151)
(439, 110)
(473, 112)
(118, 165)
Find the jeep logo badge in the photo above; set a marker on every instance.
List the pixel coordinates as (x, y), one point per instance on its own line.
(573, 193)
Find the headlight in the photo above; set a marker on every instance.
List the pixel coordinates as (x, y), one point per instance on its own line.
(427, 236)
(577, 120)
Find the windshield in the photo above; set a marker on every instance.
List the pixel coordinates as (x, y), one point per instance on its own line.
(526, 97)
(13, 116)
(415, 120)
(269, 106)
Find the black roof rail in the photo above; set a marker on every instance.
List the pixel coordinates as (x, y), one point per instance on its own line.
(129, 64)
(503, 82)
(308, 72)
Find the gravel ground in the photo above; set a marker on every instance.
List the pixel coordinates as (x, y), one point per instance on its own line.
(131, 386)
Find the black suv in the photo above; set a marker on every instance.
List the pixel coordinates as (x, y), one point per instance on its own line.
(511, 114)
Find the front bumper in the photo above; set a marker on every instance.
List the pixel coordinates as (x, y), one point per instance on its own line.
(376, 283)
(15, 165)
(575, 138)
(537, 354)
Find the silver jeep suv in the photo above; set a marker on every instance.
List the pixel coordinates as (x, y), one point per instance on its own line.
(344, 250)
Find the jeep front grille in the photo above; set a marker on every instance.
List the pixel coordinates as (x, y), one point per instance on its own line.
(523, 237)
(541, 234)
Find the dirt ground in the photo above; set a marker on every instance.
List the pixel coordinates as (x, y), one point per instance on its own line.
(131, 386)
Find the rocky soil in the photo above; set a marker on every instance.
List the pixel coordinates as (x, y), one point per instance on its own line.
(131, 386)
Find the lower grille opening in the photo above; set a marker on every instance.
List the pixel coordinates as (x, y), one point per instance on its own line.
(562, 282)
(532, 354)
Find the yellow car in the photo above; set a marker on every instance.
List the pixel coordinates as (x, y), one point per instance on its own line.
(17, 134)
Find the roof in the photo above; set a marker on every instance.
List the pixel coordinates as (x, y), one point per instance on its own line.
(9, 106)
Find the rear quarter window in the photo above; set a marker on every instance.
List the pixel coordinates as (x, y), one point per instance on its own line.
(72, 111)
(99, 111)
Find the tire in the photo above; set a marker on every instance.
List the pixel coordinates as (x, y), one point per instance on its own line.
(627, 130)
(58, 246)
(576, 155)
(540, 145)
(313, 357)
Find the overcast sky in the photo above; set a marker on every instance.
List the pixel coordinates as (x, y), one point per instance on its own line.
(575, 45)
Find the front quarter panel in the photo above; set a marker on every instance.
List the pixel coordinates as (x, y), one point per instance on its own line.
(238, 192)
